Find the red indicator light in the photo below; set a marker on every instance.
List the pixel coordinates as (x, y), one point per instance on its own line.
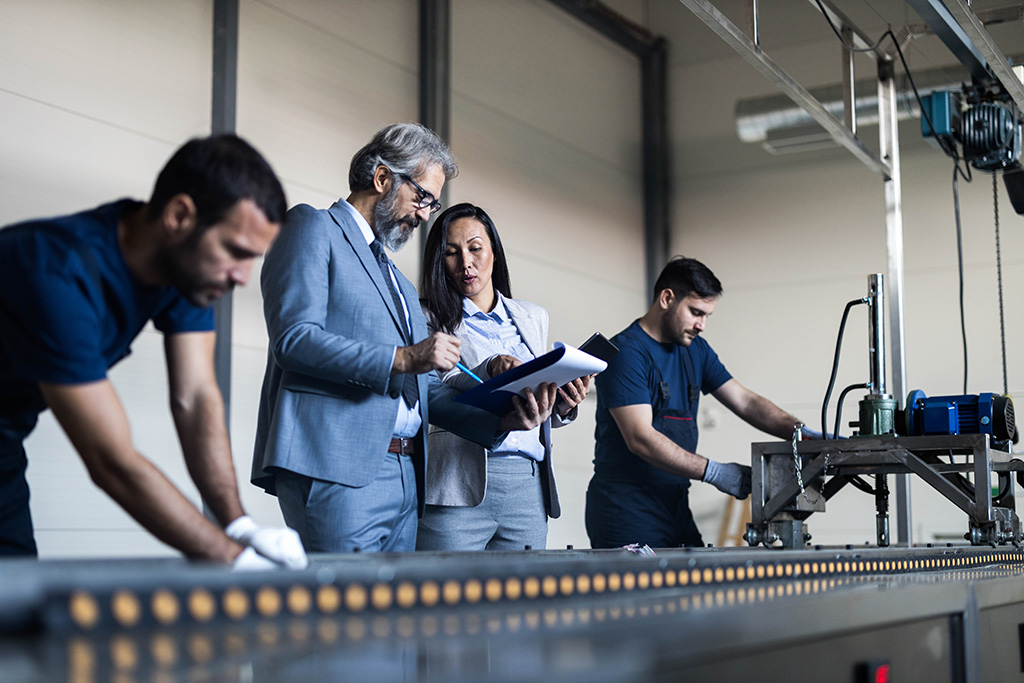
(882, 674)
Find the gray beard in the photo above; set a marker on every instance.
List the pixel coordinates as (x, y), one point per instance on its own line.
(389, 227)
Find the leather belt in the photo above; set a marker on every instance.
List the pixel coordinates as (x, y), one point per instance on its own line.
(401, 446)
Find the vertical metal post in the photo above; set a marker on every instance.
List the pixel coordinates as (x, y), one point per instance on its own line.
(222, 120)
(654, 113)
(849, 82)
(435, 75)
(876, 334)
(889, 149)
(753, 22)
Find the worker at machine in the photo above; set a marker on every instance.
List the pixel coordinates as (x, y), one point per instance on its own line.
(76, 290)
(646, 450)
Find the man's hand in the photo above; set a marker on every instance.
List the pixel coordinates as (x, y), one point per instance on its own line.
(729, 478)
(806, 433)
(439, 351)
(502, 363)
(251, 561)
(531, 410)
(572, 394)
(280, 545)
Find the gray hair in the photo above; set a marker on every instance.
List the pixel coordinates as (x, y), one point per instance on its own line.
(404, 148)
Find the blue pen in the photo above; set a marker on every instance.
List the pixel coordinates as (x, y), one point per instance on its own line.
(469, 372)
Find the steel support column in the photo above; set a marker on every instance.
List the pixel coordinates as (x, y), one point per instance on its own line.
(889, 147)
(435, 75)
(657, 191)
(222, 120)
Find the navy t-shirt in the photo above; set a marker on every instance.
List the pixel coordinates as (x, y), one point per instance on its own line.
(669, 378)
(69, 306)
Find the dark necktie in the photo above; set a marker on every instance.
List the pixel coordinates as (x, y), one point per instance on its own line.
(410, 392)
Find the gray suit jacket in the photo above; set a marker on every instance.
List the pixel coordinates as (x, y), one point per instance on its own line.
(457, 471)
(328, 405)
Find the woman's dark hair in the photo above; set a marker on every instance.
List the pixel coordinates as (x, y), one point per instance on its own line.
(439, 295)
(217, 172)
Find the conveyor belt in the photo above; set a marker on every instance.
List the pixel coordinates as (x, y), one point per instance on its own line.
(598, 615)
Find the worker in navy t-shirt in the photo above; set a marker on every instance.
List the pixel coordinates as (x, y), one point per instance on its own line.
(76, 290)
(646, 450)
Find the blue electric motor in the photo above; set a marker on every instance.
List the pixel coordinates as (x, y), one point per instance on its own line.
(990, 414)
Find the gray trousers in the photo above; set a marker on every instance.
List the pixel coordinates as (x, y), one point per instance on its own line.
(510, 517)
(335, 518)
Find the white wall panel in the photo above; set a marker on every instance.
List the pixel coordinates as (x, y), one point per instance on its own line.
(546, 127)
(95, 97)
(316, 80)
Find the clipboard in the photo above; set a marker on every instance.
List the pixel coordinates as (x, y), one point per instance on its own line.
(563, 364)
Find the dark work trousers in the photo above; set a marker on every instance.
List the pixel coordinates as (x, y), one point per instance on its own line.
(16, 533)
(651, 512)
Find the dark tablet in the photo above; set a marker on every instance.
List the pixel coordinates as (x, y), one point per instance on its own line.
(599, 347)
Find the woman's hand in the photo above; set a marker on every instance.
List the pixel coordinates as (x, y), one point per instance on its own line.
(572, 394)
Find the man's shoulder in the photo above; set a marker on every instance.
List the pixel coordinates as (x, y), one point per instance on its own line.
(304, 213)
(57, 246)
(633, 337)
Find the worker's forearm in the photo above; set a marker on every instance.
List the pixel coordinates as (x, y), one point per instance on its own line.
(665, 454)
(771, 419)
(155, 503)
(204, 441)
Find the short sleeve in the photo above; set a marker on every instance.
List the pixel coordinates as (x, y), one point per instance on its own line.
(182, 316)
(627, 379)
(714, 373)
(50, 313)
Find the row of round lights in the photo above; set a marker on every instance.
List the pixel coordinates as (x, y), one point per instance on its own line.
(200, 604)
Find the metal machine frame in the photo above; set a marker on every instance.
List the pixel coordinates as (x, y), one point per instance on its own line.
(782, 501)
(970, 38)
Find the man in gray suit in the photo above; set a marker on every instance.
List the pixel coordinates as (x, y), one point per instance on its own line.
(350, 369)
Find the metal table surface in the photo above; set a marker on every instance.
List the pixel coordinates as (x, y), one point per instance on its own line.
(721, 614)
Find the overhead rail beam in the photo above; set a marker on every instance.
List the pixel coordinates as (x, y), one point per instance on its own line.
(949, 31)
(857, 38)
(997, 62)
(732, 35)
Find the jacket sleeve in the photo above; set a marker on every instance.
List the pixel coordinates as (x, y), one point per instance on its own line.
(297, 280)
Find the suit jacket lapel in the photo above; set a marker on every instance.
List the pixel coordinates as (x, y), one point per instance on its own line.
(354, 236)
(527, 326)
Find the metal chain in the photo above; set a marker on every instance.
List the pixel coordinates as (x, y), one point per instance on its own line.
(797, 431)
(999, 279)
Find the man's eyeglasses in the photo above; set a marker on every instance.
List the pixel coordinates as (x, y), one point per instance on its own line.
(425, 200)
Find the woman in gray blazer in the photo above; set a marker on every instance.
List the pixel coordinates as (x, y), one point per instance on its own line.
(481, 499)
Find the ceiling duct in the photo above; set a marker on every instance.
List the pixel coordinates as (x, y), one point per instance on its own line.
(782, 126)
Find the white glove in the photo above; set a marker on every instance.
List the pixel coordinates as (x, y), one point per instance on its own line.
(729, 478)
(251, 561)
(280, 545)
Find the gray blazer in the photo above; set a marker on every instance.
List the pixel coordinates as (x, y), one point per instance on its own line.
(328, 405)
(457, 471)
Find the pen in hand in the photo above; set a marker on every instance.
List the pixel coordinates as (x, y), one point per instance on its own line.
(469, 372)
